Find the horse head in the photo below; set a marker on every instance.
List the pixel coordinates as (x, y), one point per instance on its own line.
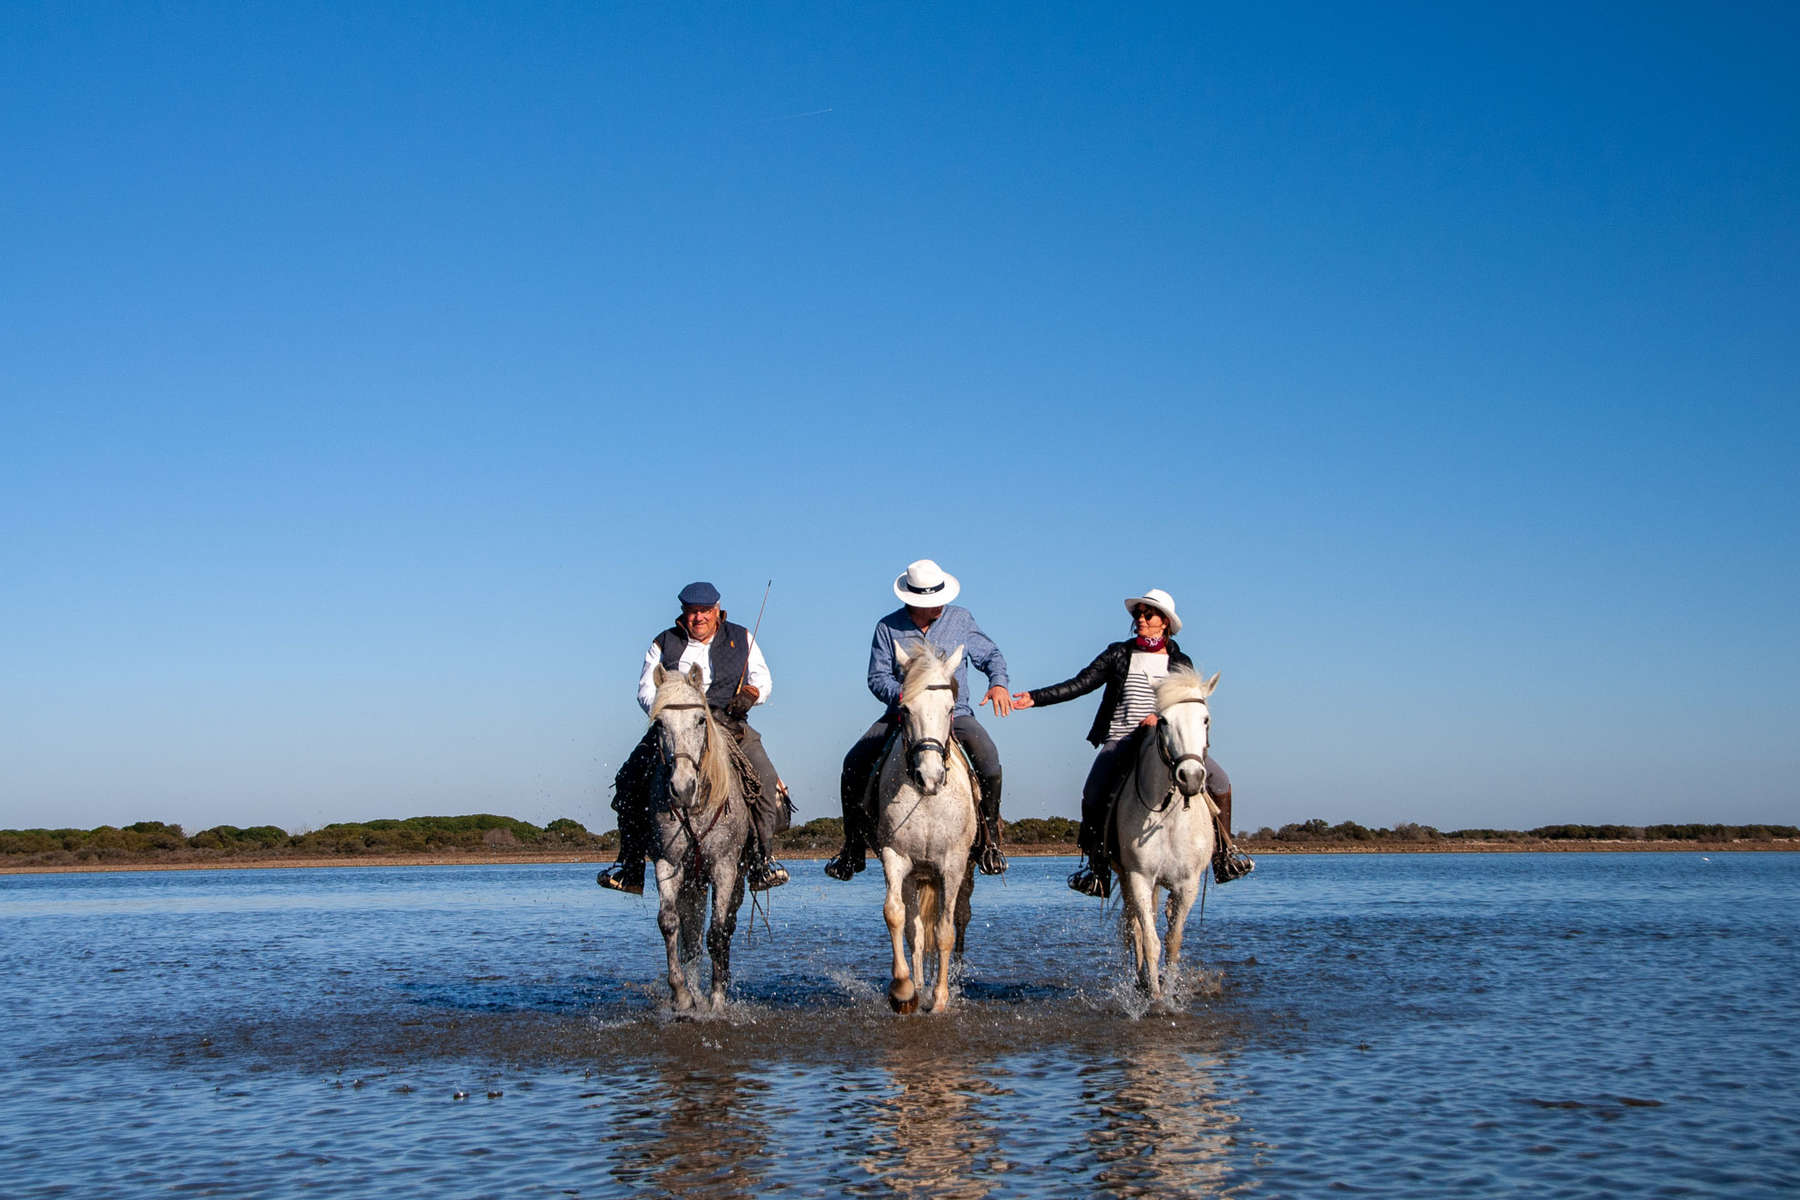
(927, 698)
(685, 737)
(1184, 726)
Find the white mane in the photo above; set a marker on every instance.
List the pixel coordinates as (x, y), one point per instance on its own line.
(716, 771)
(1181, 683)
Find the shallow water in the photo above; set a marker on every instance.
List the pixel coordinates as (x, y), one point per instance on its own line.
(1465, 1025)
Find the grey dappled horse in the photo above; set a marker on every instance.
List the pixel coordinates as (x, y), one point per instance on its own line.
(925, 824)
(702, 821)
(1164, 824)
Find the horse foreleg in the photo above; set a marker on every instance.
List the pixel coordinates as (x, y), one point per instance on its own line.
(668, 919)
(1180, 901)
(1140, 910)
(903, 997)
(718, 942)
(963, 912)
(944, 939)
(915, 929)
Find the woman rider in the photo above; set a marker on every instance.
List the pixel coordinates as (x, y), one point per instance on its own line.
(1130, 670)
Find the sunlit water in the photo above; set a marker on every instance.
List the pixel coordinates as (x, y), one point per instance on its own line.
(1494, 1025)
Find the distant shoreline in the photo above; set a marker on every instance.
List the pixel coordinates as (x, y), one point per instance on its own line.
(1255, 849)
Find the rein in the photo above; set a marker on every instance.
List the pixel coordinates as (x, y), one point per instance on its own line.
(690, 864)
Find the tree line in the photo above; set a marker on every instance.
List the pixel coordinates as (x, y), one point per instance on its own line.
(1318, 831)
(486, 833)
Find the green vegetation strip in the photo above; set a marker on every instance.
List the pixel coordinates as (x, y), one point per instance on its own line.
(154, 842)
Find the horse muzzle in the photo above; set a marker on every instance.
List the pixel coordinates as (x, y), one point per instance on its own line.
(1190, 774)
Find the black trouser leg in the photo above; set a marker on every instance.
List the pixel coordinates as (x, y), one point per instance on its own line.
(1097, 793)
(853, 783)
(986, 761)
(631, 798)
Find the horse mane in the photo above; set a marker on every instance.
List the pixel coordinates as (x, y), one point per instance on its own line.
(717, 773)
(1181, 683)
(913, 682)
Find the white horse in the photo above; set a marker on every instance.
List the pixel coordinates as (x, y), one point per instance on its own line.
(924, 824)
(1164, 824)
(701, 822)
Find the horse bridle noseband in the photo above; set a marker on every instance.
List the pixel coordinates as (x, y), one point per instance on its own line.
(1174, 764)
(915, 748)
(681, 754)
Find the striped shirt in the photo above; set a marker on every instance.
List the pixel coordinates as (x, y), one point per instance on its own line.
(1139, 700)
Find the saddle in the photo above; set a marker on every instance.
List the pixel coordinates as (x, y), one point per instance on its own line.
(1228, 862)
(874, 781)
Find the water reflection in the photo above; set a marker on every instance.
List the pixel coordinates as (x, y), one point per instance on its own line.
(932, 1133)
(701, 1132)
(1162, 1126)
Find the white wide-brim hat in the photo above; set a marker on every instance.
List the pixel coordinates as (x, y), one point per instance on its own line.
(924, 584)
(1162, 602)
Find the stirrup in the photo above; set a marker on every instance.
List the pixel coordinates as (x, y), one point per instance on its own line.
(622, 878)
(989, 860)
(1231, 863)
(766, 874)
(1091, 882)
(846, 864)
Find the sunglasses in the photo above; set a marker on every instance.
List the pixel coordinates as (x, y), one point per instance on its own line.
(1141, 612)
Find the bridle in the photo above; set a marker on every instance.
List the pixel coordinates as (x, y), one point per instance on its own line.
(672, 759)
(1198, 760)
(691, 861)
(917, 747)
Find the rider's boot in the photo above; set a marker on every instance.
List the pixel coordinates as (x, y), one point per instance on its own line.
(1228, 862)
(988, 859)
(1094, 878)
(626, 875)
(764, 872)
(851, 859)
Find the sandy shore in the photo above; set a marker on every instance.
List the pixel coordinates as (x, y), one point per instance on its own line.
(1043, 851)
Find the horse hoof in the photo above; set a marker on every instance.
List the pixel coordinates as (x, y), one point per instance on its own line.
(903, 1002)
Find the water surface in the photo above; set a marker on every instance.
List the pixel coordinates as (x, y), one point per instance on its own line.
(1466, 1025)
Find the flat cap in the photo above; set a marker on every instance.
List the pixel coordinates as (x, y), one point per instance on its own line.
(699, 593)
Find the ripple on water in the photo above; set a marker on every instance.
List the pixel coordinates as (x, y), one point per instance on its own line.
(1469, 1026)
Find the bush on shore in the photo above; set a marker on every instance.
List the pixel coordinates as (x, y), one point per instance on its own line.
(157, 841)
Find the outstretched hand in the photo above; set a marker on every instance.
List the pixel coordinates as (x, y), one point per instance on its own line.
(997, 697)
(1023, 700)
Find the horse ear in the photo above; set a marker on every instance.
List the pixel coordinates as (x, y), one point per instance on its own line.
(696, 676)
(657, 674)
(950, 663)
(1210, 684)
(901, 655)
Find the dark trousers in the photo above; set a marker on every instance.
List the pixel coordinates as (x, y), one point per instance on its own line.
(635, 782)
(1103, 779)
(859, 765)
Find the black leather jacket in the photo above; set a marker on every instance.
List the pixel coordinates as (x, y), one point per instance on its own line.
(1109, 668)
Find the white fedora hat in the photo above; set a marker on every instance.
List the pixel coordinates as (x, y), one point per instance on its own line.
(1162, 602)
(924, 584)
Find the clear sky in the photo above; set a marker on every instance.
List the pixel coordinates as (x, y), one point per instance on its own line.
(372, 376)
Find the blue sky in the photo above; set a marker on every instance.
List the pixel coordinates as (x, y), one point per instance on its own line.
(374, 378)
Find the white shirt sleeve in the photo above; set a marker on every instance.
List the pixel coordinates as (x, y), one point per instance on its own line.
(646, 679)
(760, 679)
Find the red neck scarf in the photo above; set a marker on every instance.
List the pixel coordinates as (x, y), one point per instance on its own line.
(1151, 645)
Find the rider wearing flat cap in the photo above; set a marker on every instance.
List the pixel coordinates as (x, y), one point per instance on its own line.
(736, 679)
(926, 590)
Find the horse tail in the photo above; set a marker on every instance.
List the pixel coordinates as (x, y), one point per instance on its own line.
(931, 902)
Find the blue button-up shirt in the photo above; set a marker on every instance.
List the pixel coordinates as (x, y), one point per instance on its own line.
(954, 627)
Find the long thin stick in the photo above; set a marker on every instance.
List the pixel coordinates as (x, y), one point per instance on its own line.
(759, 616)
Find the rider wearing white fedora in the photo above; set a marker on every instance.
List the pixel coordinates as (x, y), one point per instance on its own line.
(925, 591)
(735, 678)
(1130, 671)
